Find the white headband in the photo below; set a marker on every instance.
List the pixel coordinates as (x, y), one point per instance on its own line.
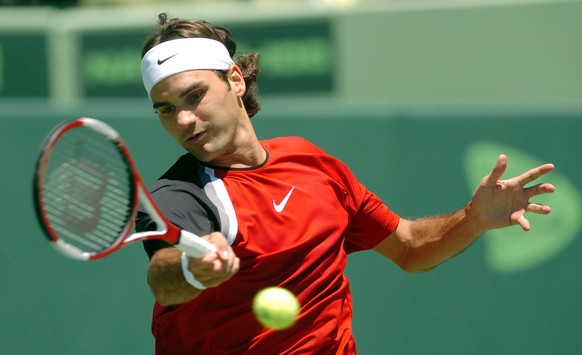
(179, 55)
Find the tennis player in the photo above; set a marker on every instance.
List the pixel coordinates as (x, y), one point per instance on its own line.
(281, 212)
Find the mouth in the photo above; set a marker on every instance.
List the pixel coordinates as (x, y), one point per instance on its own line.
(196, 137)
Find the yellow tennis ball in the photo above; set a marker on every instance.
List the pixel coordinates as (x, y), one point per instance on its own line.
(276, 307)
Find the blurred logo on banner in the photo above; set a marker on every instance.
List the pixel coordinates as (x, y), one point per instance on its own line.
(510, 250)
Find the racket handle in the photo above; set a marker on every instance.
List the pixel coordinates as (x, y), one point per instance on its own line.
(193, 245)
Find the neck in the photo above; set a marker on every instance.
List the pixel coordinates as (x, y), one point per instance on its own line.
(246, 152)
(252, 157)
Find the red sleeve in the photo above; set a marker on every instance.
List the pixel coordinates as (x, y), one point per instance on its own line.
(371, 221)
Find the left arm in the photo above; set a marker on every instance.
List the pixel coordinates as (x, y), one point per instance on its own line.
(420, 245)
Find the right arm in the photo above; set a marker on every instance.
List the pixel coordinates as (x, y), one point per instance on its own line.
(166, 279)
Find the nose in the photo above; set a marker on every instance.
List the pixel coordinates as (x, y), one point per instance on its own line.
(185, 118)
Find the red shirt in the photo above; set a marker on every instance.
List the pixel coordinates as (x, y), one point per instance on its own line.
(291, 221)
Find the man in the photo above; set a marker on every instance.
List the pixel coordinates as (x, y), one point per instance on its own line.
(281, 212)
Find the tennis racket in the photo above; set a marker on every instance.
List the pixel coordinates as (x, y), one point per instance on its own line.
(87, 190)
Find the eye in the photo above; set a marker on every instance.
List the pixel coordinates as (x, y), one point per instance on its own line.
(194, 97)
(164, 110)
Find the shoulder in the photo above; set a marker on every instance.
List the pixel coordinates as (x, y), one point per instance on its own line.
(292, 144)
(302, 151)
(183, 169)
(182, 178)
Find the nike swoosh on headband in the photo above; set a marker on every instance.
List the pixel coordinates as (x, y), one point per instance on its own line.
(162, 61)
(186, 54)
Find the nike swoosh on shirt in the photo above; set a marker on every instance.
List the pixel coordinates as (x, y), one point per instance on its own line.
(281, 206)
(162, 61)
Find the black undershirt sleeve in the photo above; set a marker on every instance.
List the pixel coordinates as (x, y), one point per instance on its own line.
(182, 201)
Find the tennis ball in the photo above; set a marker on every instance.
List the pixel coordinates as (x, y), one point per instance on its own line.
(276, 307)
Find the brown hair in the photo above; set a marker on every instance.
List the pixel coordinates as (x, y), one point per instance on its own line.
(174, 28)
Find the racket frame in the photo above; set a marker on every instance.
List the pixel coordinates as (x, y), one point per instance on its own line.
(192, 244)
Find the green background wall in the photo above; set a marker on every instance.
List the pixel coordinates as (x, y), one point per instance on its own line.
(402, 50)
(512, 51)
(418, 158)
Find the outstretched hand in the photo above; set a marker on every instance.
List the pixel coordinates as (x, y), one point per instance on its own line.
(499, 203)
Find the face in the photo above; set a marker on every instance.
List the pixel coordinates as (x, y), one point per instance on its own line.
(204, 114)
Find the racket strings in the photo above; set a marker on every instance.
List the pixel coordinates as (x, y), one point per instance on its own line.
(88, 190)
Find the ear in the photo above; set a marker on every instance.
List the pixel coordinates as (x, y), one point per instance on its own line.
(236, 80)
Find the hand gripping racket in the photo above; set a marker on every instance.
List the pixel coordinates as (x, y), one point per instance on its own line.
(87, 190)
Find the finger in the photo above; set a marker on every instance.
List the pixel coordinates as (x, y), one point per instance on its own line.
(227, 264)
(201, 266)
(539, 189)
(236, 265)
(233, 266)
(217, 239)
(223, 266)
(538, 209)
(534, 174)
(497, 171)
(209, 258)
(225, 253)
(215, 279)
(524, 223)
(221, 244)
(218, 265)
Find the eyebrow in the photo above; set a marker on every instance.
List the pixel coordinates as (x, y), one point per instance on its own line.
(184, 93)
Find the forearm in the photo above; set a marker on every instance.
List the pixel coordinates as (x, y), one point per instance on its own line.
(422, 244)
(436, 239)
(166, 279)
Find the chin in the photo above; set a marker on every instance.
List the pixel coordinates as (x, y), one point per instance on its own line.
(205, 158)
